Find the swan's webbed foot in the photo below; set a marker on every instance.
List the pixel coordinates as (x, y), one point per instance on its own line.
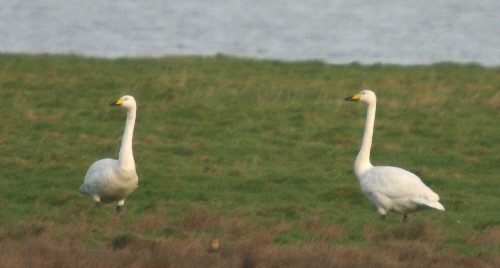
(405, 218)
(119, 208)
(382, 217)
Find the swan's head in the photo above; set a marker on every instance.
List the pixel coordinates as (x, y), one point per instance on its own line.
(128, 102)
(366, 95)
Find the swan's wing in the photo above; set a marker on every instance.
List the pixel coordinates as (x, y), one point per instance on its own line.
(396, 183)
(100, 174)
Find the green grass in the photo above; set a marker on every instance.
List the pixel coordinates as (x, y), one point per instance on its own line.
(249, 150)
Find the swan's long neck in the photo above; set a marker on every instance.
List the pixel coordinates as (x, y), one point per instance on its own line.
(362, 162)
(126, 157)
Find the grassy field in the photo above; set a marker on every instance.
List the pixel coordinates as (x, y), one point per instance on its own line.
(258, 154)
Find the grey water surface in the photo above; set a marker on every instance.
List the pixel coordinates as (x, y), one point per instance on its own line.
(342, 31)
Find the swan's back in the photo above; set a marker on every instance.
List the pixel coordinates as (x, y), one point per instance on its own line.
(393, 188)
(395, 182)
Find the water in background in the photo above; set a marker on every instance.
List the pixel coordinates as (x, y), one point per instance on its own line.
(342, 31)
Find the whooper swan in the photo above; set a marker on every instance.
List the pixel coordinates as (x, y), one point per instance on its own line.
(389, 188)
(109, 180)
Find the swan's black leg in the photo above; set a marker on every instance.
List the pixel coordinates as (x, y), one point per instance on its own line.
(382, 217)
(97, 204)
(405, 218)
(119, 209)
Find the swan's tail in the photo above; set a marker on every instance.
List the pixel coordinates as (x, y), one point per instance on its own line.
(84, 190)
(427, 203)
(436, 205)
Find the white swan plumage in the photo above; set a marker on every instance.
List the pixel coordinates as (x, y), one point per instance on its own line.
(389, 188)
(109, 180)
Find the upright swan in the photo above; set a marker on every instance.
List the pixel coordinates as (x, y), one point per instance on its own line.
(389, 188)
(109, 180)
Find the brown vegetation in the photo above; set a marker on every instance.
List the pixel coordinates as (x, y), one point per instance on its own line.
(240, 244)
